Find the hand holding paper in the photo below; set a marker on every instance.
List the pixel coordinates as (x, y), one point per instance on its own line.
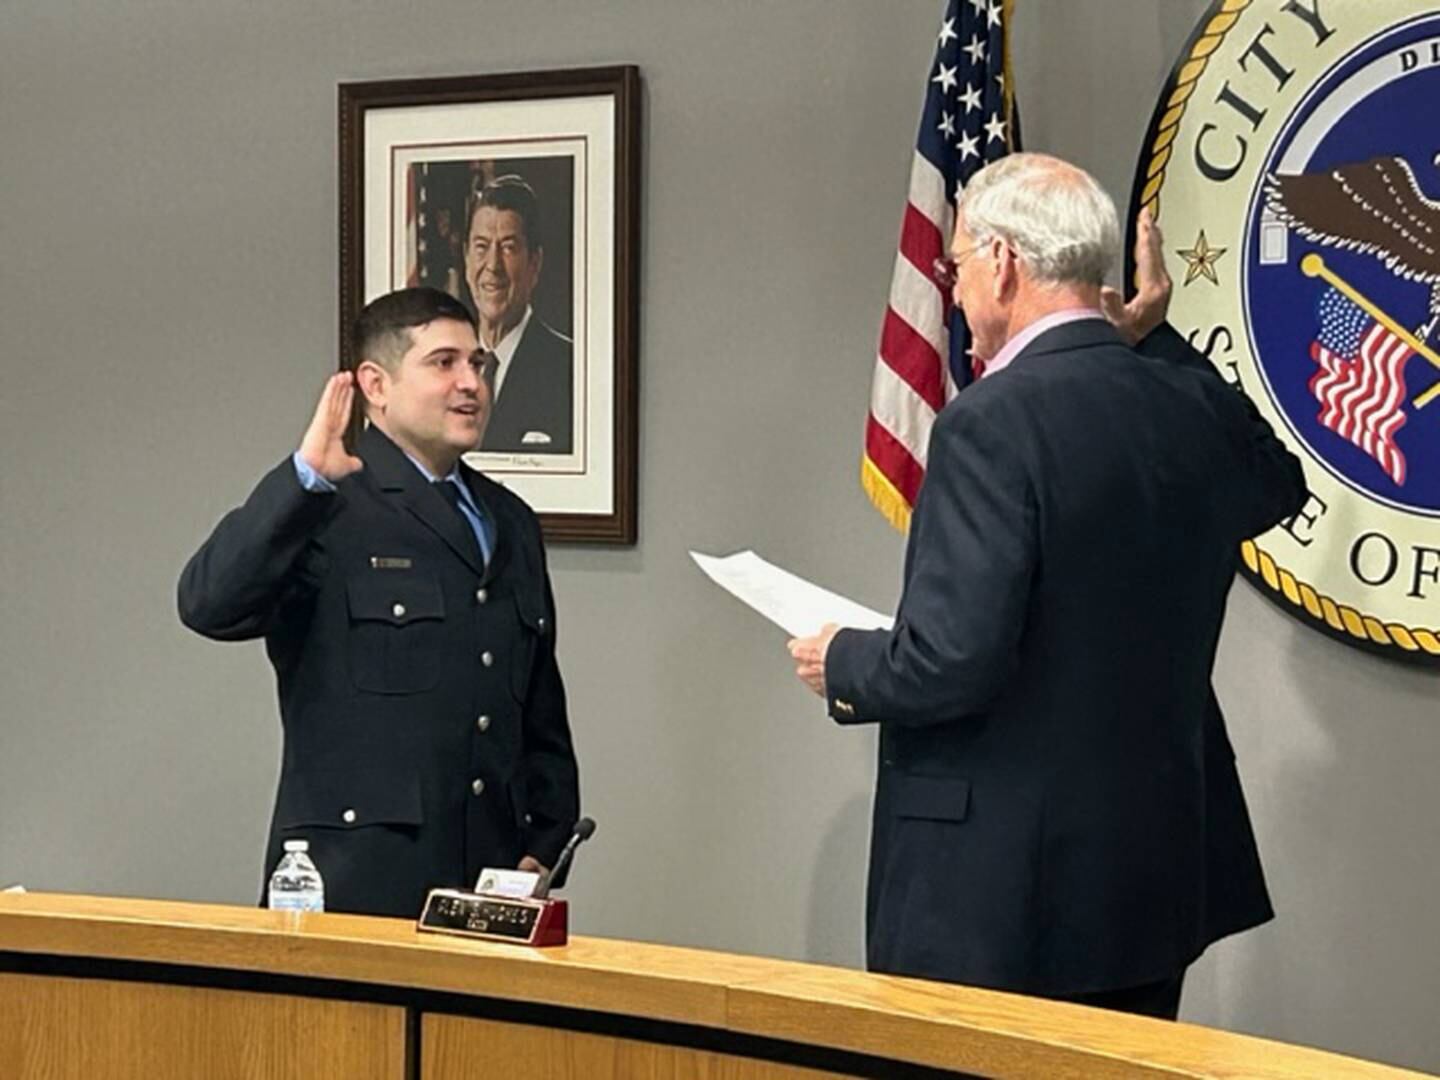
(809, 654)
(812, 615)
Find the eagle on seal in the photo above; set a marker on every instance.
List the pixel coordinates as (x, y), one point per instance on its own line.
(1373, 207)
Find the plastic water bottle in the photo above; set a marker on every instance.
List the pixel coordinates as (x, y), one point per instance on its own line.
(296, 884)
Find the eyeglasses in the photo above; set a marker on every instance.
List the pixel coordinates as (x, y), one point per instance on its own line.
(946, 269)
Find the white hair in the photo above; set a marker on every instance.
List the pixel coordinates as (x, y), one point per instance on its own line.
(1058, 219)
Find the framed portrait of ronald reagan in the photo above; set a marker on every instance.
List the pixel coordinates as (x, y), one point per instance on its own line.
(518, 194)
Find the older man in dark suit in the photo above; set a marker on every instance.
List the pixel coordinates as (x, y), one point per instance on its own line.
(1057, 809)
(534, 363)
(406, 608)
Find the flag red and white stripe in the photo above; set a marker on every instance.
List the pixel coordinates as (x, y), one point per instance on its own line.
(1362, 398)
(922, 359)
(912, 381)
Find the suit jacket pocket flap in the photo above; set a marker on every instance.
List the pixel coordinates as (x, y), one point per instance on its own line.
(350, 800)
(399, 599)
(531, 605)
(934, 798)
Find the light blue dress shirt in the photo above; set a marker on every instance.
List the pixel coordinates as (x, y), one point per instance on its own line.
(311, 480)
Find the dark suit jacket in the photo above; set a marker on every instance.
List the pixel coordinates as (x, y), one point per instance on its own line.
(425, 728)
(1057, 805)
(1235, 894)
(538, 395)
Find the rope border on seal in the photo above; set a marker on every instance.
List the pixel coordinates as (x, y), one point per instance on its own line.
(1185, 80)
(1341, 618)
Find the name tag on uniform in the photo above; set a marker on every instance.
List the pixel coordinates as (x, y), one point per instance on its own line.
(389, 562)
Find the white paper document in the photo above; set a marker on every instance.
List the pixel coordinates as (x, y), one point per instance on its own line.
(798, 606)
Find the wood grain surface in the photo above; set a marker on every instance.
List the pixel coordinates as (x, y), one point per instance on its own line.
(904, 1020)
(455, 1048)
(94, 1029)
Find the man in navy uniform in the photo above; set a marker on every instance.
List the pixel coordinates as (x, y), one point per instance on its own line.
(1057, 809)
(406, 608)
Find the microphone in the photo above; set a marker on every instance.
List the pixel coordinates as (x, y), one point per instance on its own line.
(584, 829)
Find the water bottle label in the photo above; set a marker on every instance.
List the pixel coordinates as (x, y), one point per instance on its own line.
(293, 901)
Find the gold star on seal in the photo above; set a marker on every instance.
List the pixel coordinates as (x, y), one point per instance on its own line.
(1201, 259)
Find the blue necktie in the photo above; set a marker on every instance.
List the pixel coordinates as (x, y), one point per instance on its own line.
(452, 496)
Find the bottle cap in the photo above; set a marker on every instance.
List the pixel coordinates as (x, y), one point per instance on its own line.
(297, 845)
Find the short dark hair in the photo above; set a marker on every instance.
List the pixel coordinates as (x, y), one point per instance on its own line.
(509, 192)
(382, 330)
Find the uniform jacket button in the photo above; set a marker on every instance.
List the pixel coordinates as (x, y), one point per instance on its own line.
(478, 786)
(487, 658)
(348, 817)
(481, 596)
(399, 611)
(483, 723)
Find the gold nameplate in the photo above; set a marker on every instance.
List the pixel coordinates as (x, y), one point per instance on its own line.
(386, 562)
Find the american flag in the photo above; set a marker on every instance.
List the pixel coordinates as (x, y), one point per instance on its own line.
(1360, 380)
(923, 359)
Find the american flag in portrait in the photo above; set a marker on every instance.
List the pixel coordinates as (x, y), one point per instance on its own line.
(968, 120)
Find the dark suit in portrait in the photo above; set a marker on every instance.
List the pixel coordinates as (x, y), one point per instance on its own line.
(1057, 808)
(425, 725)
(535, 409)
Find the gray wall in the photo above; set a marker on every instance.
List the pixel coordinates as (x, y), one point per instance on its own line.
(167, 314)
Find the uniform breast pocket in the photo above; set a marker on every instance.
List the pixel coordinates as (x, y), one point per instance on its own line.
(529, 643)
(397, 624)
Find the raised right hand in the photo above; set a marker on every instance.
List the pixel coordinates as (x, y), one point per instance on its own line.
(323, 447)
(1153, 287)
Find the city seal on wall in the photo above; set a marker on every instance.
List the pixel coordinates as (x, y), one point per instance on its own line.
(1293, 163)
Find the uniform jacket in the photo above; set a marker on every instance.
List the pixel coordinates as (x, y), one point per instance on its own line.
(1057, 808)
(425, 727)
(537, 396)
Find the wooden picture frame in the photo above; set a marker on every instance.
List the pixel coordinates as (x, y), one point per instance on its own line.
(417, 156)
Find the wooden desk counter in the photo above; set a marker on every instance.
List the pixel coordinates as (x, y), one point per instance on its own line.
(162, 989)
